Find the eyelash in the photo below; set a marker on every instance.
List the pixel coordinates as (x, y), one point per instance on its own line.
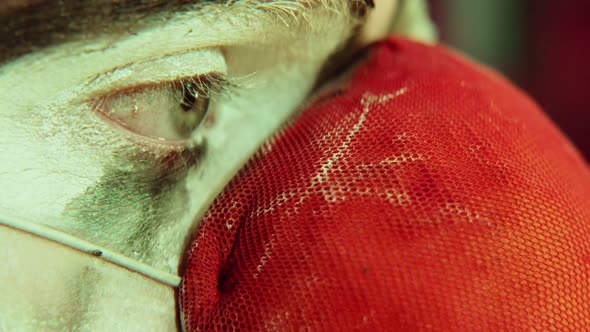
(214, 85)
(168, 111)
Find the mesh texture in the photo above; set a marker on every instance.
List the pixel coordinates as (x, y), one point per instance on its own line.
(427, 194)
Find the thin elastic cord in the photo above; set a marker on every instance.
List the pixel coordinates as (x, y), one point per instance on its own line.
(92, 249)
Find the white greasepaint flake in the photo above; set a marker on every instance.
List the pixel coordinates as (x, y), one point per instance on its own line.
(396, 197)
(266, 256)
(371, 99)
(229, 224)
(274, 203)
(460, 210)
(322, 175)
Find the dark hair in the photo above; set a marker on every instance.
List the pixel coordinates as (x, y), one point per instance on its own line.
(35, 24)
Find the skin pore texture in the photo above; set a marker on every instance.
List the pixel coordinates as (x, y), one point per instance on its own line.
(66, 167)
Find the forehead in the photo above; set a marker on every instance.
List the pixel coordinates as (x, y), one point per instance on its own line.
(29, 25)
(34, 24)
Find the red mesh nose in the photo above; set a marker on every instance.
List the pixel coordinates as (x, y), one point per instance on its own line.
(428, 194)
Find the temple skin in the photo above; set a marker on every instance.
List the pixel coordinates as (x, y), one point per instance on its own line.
(65, 167)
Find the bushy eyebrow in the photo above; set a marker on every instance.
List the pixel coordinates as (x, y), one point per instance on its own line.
(34, 24)
(31, 25)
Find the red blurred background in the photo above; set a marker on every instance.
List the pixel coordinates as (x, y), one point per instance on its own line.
(543, 46)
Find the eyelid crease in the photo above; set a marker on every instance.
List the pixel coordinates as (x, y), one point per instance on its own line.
(208, 63)
(212, 84)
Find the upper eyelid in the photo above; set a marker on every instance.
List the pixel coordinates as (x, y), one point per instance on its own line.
(212, 84)
(68, 73)
(169, 69)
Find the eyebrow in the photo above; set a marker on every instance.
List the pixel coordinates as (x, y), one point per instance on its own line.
(31, 25)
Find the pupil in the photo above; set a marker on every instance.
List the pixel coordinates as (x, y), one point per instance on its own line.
(189, 96)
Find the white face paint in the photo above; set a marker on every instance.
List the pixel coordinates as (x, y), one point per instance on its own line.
(64, 165)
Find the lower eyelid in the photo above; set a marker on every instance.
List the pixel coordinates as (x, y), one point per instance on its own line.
(167, 166)
(146, 142)
(148, 115)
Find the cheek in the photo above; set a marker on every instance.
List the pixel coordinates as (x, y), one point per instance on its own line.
(63, 167)
(41, 166)
(49, 285)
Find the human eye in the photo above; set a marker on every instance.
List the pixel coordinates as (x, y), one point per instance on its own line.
(167, 112)
(159, 102)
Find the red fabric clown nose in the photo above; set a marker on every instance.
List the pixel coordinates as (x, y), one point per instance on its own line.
(429, 194)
